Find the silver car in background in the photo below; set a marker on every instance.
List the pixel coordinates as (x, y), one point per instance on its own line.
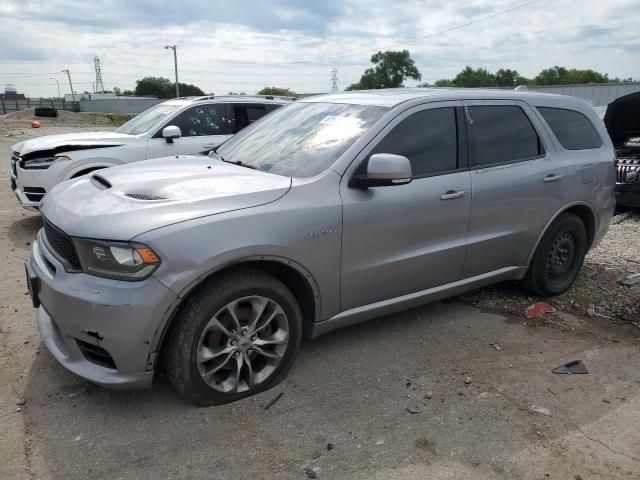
(328, 212)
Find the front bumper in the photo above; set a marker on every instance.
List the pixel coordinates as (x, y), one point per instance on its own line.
(628, 194)
(102, 330)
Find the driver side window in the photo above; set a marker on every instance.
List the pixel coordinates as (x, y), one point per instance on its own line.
(202, 120)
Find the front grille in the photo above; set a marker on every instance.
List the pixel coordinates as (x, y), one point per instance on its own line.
(15, 159)
(34, 194)
(96, 354)
(61, 244)
(626, 165)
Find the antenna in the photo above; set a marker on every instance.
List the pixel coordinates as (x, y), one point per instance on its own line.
(99, 86)
(334, 80)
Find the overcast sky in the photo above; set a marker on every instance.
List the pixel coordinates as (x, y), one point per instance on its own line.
(244, 45)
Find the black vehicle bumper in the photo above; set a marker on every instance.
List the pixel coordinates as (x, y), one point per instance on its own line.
(628, 194)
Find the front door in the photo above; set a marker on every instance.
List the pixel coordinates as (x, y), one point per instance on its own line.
(406, 238)
(202, 127)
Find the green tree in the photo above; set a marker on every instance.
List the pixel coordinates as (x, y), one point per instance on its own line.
(444, 82)
(277, 91)
(472, 78)
(117, 91)
(510, 78)
(566, 76)
(164, 88)
(391, 69)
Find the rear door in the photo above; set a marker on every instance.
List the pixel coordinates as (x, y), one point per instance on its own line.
(202, 127)
(406, 238)
(518, 184)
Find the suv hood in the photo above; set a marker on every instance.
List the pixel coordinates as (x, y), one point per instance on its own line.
(68, 142)
(122, 202)
(622, 119)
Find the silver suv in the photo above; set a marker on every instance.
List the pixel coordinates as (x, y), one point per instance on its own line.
(328, 212)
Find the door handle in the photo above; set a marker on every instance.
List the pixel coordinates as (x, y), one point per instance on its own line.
(451, 194)
(552, 177)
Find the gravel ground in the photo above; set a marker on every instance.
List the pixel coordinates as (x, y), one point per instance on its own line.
(596, 292)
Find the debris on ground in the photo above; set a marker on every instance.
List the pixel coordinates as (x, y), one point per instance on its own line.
(630, 280)
(575, 367)
(538, 310)
(496, 346)
(329, 446)
(273, 402)
(414, 409)
(541, 410)
(310, 473)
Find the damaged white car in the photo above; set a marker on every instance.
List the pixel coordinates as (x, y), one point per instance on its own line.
(184, 126)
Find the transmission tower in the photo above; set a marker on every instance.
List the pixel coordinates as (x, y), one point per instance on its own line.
(334, 80)
(99, 86)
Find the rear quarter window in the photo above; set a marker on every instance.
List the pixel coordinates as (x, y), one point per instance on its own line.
(573, 130)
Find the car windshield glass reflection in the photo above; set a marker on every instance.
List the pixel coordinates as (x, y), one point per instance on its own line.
(302, 139)
(147, 119)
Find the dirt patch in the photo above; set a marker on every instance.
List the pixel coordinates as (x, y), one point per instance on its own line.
(23, 118)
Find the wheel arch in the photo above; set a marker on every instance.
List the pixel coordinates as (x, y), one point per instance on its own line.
(91, 165)
(584, 211)
(293, 275)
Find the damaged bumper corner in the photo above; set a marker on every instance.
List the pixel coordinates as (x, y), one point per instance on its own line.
(100, 329)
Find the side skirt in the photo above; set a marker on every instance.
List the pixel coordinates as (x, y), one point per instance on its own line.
(411, 300)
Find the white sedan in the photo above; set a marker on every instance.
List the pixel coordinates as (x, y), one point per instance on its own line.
(184, 126)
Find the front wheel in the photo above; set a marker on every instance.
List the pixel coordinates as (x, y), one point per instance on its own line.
(234, 337)
(558, 258)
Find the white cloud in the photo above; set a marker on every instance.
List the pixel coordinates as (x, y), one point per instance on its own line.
(294, 43)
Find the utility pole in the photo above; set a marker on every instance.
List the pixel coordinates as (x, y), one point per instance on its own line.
(58, 83)
(99, 86)
(175, 63)
(334, 80)
(73, 94)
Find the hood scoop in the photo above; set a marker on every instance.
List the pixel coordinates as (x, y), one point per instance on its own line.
(100, 182)
(144, 196)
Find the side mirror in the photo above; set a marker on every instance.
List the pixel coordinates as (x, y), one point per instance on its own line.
(384, 169)
(171, 132)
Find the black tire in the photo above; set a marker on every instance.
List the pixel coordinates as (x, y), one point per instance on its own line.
(184, 336)
(558, 258)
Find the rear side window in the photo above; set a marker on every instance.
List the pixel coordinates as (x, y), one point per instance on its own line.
(244, 114)
(573, 130)
(503, 134)
(428, 139)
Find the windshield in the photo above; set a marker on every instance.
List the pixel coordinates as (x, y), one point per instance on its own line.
(301, 139)
(147, 119)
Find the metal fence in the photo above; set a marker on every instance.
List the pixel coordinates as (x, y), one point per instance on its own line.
(11, 105)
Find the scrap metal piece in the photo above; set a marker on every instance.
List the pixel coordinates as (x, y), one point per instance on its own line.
(538, 310)
(630, 280)
(572, 368)
(496, 346)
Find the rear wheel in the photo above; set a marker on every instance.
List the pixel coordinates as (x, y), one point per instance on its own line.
(236, 336)
(558, 258)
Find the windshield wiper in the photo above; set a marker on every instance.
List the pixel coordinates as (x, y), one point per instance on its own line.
(214, 153)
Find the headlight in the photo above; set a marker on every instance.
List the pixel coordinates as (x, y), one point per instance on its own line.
(117, 260)
(42, 163)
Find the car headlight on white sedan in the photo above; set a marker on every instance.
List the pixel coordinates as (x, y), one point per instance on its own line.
(42, 163)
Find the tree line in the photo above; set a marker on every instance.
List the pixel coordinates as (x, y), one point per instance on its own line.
(392, 68)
